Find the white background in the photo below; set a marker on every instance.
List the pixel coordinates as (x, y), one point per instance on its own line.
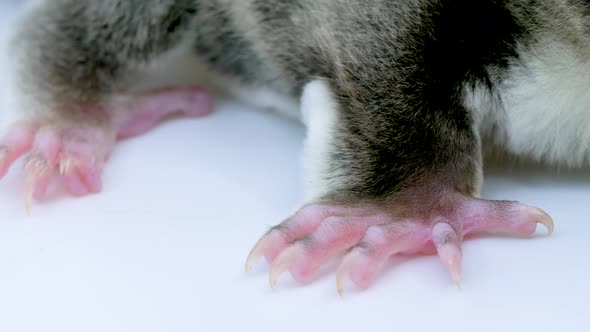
(163, 247)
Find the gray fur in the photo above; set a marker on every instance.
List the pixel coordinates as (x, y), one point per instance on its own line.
(397, 69)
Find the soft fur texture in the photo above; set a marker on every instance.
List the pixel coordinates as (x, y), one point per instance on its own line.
(409, 88)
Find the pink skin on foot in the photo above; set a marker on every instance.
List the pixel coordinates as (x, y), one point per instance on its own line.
(18, 141)
(76, 150)
(372, 234)
(148, 110)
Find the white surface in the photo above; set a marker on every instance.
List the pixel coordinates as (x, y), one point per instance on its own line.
(163, 247)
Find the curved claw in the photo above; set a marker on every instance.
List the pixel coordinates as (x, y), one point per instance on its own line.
(282, 264)
(36, 179)
(448, 247)
(269, 246)
(542, 217)
(15, 143)
(67, 165)
(255, 254)
(343, 273)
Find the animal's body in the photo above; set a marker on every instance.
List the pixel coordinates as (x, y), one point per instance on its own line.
(400, 97)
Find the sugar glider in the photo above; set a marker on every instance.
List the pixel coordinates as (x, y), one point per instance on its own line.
(400, 97)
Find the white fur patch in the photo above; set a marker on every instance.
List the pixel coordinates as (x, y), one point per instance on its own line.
(542, 109)
(319, 111)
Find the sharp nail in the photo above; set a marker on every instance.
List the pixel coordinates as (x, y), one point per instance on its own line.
(29, 180)
(3, 155)
(544, 219)
(341, 278)
(28, 200)
(254, 256)
(65, 166)
(456, 276)
(455, 271)
(250, 263)
(33, 168)
(343, 274)
(548, 224)
(275, 275)
(282, 264)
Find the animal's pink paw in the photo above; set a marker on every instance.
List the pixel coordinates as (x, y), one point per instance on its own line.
(77, 153)
(74, 147)
(369, 234)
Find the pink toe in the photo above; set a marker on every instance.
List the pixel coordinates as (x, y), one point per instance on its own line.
(41, 188)
(42, 163)
(75, 185)
(48, 144)
(37, 184)
(334, 236)
(199, 102)
(316, 234)
(365, 269)
(303, 223)
(481, 216)
(6, 160)
(448, 245)
(17, 141)
(365, 261)
(147, 110)
(93, 180)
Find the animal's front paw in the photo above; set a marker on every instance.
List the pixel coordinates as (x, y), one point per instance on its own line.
(75, 152)
(370, 233)
(73, 147)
